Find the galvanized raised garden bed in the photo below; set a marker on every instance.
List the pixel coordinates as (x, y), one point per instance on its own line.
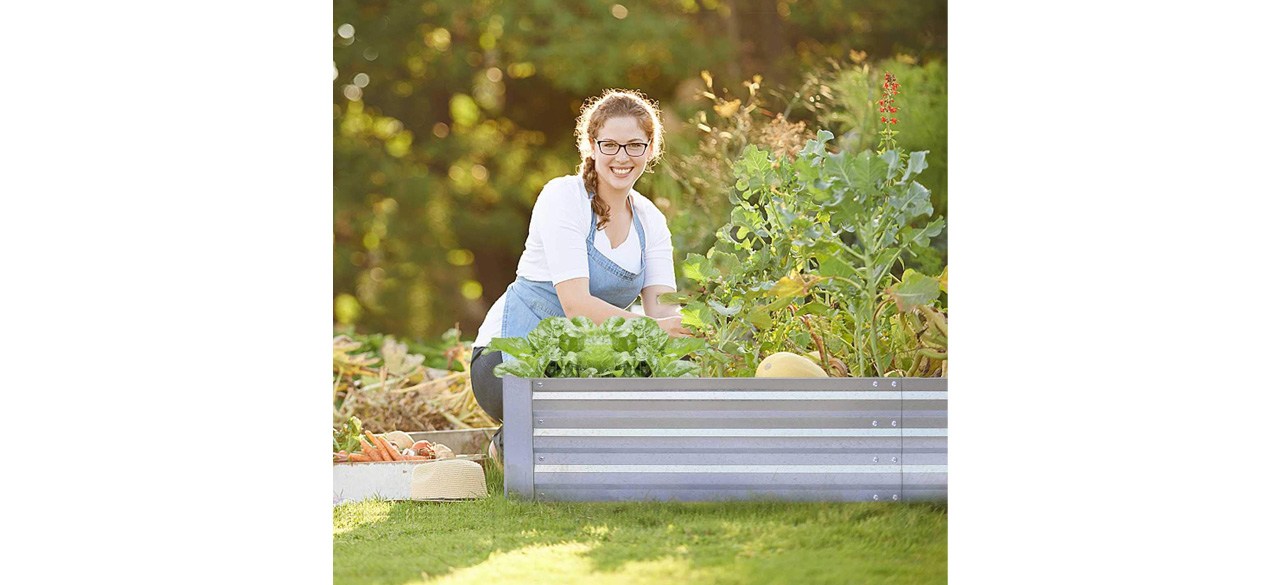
(700, 439)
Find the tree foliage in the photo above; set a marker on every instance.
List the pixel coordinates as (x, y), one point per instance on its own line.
(449, 117)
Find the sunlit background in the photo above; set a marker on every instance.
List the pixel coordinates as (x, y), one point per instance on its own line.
(450, 116)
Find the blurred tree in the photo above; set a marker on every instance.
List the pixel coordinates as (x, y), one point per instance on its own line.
(450, 116)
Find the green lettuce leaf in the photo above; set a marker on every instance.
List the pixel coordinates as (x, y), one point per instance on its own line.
(619, 347)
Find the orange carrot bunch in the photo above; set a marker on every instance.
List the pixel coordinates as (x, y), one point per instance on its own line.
(375, 448)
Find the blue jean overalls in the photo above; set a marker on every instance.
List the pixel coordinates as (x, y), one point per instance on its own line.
(530, 301)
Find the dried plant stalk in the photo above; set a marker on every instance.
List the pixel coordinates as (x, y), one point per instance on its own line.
(411, 398)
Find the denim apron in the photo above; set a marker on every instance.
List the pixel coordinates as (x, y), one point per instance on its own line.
(530, 301)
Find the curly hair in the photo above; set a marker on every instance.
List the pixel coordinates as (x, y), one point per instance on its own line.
(614, 103)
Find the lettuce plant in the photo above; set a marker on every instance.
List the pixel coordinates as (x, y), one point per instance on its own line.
(578, 348)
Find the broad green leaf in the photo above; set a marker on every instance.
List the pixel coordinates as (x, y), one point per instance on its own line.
(517, 347)
(919, 237)
(813, 308)
(624, 341)
(693, 315)
(785, 215)
(752, 169)
(787, 287)
(847, 217)
(734, 307)
(697, 268)
(942, 279)
(892, 161)
(915, 165)
(759, 317)
(674, 298)
(646, 330)
(839, 167)
(815, 147)
(914, 290)
(613, 326)
(881, 264)
(547, 332)
(916, 201)
(868, 172)
(683, 346)
(807, 170)
(677, 369)
(836, 266)
(727, 264)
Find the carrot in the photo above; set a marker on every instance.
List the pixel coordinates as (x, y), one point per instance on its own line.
(369, 450)
(359, 457)
(377, 447)
(379, 444)
(395, 455)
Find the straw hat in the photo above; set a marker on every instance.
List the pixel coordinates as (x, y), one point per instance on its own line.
(449, 479)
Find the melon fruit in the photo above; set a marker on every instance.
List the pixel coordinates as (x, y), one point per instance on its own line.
(785, 364)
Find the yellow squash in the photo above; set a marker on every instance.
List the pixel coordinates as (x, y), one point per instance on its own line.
(785, 364)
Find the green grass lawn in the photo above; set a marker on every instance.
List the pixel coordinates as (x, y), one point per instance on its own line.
(496, 541)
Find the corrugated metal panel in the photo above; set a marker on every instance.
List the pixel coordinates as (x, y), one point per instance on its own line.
(924, 407)
(842, 439)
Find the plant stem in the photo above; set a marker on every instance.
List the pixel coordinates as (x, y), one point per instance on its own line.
(857, 333)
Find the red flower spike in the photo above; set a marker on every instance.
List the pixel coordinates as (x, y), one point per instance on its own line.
(882, 120)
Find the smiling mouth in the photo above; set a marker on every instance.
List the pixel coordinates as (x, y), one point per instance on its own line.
(617, 172)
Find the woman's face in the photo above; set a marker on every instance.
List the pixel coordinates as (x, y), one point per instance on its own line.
(619, 171)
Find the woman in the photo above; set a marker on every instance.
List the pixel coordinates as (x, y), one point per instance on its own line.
(594, 244)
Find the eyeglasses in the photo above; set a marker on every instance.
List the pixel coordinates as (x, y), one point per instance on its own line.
(609, 147)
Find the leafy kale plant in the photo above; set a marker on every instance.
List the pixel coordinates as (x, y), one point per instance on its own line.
(809, 258)
(578, 348)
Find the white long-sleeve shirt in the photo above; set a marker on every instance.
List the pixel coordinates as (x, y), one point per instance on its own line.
(556, 249)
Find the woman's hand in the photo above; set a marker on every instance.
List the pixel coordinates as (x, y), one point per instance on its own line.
(672, 326)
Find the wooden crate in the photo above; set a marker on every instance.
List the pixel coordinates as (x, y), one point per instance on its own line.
(389, 480)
